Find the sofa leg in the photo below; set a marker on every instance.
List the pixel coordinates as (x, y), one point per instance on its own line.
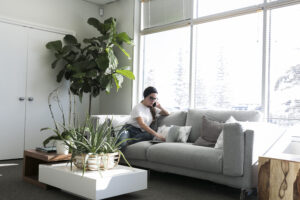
(243, 194)
(247, 192)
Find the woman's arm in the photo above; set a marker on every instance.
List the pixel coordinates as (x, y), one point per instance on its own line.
(144, 126)
(163, 111)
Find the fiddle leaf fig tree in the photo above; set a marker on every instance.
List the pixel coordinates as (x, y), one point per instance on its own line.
(91, 66)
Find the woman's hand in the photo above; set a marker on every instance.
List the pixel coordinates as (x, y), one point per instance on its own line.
(163, 111)
(160, 137)
(158, 105)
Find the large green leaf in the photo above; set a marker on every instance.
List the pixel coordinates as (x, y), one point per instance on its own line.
(104, 81)
(123, 37)
(102, 62)
(123, 50)
(54, 45)
(80, 66)
(95, 91)
(97, 24)
(60, 75)
(108, 87)
(66, 49)
(70, 39)
(113, 61)
(118, 80)
(51, 138)
(53, 65)
(92, 73)
(86, 88)
(110, 24)
(90, 65)
(79, 75)
(126, 73)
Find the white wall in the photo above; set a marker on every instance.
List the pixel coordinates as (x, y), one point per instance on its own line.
(120, 103)
(61, 14)
(65, 14)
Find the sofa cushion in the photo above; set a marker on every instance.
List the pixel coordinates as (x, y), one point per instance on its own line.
(137, 151)
(194, 119)
(187, 155)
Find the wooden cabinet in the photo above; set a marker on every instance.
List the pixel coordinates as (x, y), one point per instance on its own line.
(26, 79)
(279, 178)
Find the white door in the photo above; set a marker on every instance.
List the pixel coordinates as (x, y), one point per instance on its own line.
(13, 54)
(41, 80)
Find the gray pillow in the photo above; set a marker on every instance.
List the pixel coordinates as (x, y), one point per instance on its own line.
(210, 132)
(201, 142)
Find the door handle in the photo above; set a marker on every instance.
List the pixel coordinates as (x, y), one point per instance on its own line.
(30, 98)
(21, 98)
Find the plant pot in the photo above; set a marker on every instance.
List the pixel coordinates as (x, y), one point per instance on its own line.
(109, 160)
(79, 160)
(61, 147)
(93, 162)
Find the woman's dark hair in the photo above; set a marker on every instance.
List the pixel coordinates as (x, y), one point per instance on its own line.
(149, 90)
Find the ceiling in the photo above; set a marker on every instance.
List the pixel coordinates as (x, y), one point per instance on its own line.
(100, 2)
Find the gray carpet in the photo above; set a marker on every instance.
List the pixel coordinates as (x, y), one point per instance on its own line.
(161, 186)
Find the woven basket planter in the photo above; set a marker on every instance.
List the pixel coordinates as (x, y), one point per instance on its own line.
(98, 161)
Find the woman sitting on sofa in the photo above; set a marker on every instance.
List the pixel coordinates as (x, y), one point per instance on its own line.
(141, 116)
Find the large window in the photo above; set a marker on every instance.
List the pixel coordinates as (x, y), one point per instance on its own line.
(166, 65)
(228, 63)
(285, 65)
(240, 55)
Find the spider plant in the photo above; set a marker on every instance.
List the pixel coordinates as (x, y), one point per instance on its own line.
(113, 144)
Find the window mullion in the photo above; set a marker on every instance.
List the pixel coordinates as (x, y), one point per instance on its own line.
(192, 67)
(264, 90)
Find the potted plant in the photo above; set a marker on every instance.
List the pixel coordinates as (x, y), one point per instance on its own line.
(88, 142)
(92, 146)
(111, 152)
(62, 135)
(92, 66)
(61, 147)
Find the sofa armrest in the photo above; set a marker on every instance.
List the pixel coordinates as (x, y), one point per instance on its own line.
(234, 148)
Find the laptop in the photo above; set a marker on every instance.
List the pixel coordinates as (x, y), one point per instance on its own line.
(155, 140)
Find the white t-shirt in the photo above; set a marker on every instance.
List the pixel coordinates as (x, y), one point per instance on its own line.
(140, 110)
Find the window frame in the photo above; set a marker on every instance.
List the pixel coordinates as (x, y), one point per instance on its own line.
(264, 7)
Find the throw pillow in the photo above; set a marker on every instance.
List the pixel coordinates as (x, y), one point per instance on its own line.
(174, 133)
(220, 141)
(201, 142)
(178, 134)
(210, 132)
(163, 131)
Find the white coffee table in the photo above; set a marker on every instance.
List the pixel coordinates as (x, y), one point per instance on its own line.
(93, 184)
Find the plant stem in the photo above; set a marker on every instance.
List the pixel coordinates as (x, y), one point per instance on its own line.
(70, 107)
(90, 104)
(74, 111)
(60, 107)
(50, 108)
